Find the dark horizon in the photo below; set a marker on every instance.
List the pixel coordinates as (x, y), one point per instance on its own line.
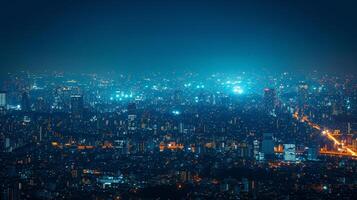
(137, 36)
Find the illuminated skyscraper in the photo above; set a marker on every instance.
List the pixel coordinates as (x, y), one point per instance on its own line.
(256, 149)
(2, 99)
(289, 152)
(2, 102)
(131, 116)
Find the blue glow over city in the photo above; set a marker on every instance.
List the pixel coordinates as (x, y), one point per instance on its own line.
(178, 99)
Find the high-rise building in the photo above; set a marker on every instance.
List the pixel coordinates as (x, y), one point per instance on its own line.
(40, 104)
(269, 99)
(40, 134)
(261, 156)
(77, 106)
(131, 122)
(245, 183)
(303, 95)
(177, 97)
(131, 109)
(181, 127)
(131, 116)
(312, 153)
(7, 145)
(2, 99)
(289, 152)
(256, 149)
(268, 145)
(25, 102)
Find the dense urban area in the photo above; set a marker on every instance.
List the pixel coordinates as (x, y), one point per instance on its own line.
(246, 135)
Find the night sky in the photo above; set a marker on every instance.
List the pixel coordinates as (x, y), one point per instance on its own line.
(206, 35)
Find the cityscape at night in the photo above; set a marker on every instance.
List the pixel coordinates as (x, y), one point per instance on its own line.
(161, 100)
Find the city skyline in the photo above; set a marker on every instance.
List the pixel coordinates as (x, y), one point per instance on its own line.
(178, 99)
(249, 135)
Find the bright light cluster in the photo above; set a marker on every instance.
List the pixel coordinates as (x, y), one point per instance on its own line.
(176, 112)
(121, 96)
(238, 90)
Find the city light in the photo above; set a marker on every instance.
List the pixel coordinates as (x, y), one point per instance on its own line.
(172, 128)
(176, 112)
(237, 90)
(179, 99)
(200, 86)
(327, 133)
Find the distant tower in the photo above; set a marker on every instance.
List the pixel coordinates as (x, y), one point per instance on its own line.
(77, 106)
(269, 99)
(256, 149)
(131, 109)
(40, 134)
(40, 104)
(25, 102)
(2, 101)
(303, 95)
(177, 97)
(181, 127)
(131, 116)
(268, 145)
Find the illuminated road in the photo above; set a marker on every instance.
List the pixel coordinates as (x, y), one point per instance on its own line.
(343, 150)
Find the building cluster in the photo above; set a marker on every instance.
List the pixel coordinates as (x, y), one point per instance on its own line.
(177, 136)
